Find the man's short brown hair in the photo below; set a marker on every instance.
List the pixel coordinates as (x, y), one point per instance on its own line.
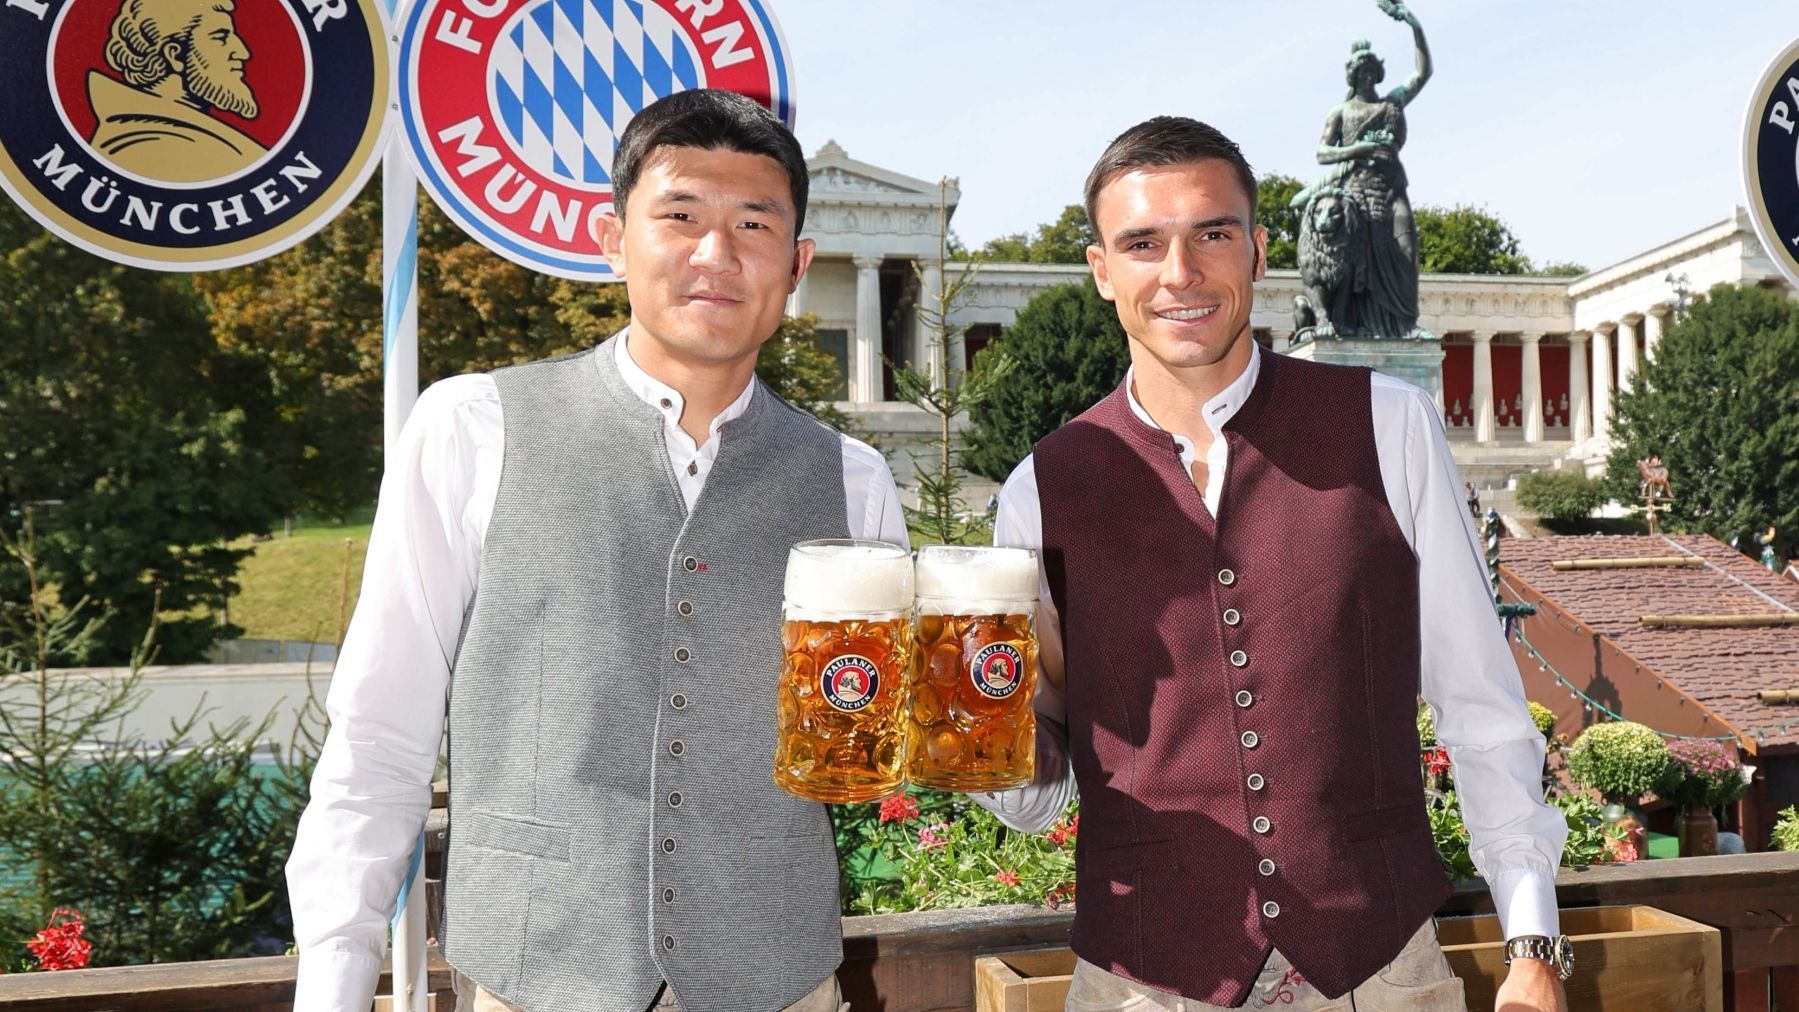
(1165, 140)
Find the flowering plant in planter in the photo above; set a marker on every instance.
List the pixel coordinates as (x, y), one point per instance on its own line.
(59, 945)
(943, 853)
(1702, 774)
(1622, 760)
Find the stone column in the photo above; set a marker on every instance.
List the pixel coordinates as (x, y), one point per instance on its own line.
(1484, 423)
(1279, 340)
(865, 385)
(796, 303)
(1654, 325)
(924, 348)
(1627, 353)
(1533, 387)
(1580, 414)
(1602, 381)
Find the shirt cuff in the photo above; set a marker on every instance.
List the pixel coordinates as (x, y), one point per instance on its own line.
(1525, 901)
(335, 980)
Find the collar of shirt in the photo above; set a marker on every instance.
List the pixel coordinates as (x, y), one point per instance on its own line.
(1217, 411)
(687, 456)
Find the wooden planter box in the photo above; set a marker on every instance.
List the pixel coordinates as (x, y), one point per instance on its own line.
(1023, 981)
(1626, 959)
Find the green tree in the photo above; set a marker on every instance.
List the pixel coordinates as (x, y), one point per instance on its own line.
(172, 851)
(1063, 241)
(1561, 495)
(114, 396)
(1274, 192)
(1466, 240)
(1561, 269)
(1719, 403)
(1068, 351)
(797, 367)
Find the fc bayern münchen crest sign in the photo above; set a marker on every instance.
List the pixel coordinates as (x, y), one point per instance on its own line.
(190, 135)
(1771, 161)
(512, 108)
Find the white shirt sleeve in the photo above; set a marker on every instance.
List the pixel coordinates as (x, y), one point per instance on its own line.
(371, 789)
(870, 495)
(1468, 675)
(1035, 807)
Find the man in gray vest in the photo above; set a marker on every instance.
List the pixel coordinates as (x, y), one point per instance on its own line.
(584, 556)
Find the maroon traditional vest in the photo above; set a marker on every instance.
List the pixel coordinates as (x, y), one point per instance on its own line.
(1242, 693)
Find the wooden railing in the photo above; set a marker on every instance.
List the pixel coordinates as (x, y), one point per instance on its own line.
(923, 962)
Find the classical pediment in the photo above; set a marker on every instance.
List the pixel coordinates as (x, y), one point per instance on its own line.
(835, 173)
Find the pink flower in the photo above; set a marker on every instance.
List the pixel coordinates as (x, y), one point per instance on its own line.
(932, 837)
(899, 808)
(1006, 877)
(60, 945)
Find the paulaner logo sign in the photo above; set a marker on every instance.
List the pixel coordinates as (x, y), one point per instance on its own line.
(512, 108)
(1771, 161)
(190, 134)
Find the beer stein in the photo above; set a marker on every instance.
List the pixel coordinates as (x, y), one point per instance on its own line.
(847, 638)
(971, 723)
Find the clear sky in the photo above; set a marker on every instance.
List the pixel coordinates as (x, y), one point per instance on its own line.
(1595, 128)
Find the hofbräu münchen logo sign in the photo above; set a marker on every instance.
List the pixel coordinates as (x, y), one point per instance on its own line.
(190, 134)
(512, 108)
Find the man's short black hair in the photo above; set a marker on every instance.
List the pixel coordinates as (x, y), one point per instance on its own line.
(1165, 140)
(709, 119)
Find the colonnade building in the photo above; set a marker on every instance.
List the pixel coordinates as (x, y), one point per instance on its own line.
(1530, 364)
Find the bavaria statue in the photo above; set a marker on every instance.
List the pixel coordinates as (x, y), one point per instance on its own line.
(1358, 245)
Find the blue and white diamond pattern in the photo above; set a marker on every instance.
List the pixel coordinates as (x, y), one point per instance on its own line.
(565, 76)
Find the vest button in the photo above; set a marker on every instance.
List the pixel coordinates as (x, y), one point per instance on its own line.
(674, 800)
(1266, 867)
(690, 563)
(678, 701)
(1245, 698)
(1227, 577)
(683, 655)
(1271, 909)
(1261, 825)
(668, 895)
(668, 941)
(1239, 659)
(686, 607)
(1255, 781)
(676, 748)
(668, 845)
(1251, 739)
(1232, 616)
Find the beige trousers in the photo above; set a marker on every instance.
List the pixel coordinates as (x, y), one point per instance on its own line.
(826, 997)
(1418, 980)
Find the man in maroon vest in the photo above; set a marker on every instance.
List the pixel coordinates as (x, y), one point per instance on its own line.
(1253, 565)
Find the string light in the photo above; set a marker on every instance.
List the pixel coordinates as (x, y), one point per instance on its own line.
(1590, 705)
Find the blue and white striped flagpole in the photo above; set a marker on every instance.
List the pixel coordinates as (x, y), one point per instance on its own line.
(400, 390)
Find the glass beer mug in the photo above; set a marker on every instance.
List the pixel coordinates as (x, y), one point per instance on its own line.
(847, 638)
(971, 723)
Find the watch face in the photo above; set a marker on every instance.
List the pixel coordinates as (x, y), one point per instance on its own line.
(1564, 957)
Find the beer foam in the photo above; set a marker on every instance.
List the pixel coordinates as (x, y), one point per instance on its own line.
(977, 574)
(838, 577)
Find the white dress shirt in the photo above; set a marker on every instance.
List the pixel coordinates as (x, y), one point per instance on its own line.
(1467, 673)
(371, 788)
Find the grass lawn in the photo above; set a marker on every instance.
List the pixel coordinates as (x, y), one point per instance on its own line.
(292, 587)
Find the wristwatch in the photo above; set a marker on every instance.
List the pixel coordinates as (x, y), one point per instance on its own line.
(1557, 952)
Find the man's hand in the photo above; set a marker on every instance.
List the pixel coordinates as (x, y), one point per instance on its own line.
(1531, 986)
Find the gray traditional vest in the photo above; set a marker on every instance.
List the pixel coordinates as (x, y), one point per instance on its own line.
(614, 818)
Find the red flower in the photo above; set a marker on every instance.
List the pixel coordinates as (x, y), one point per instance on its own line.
(1059, 895)
(1436, 760)
(60, 945)
(899, 808)
(1006, 877)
